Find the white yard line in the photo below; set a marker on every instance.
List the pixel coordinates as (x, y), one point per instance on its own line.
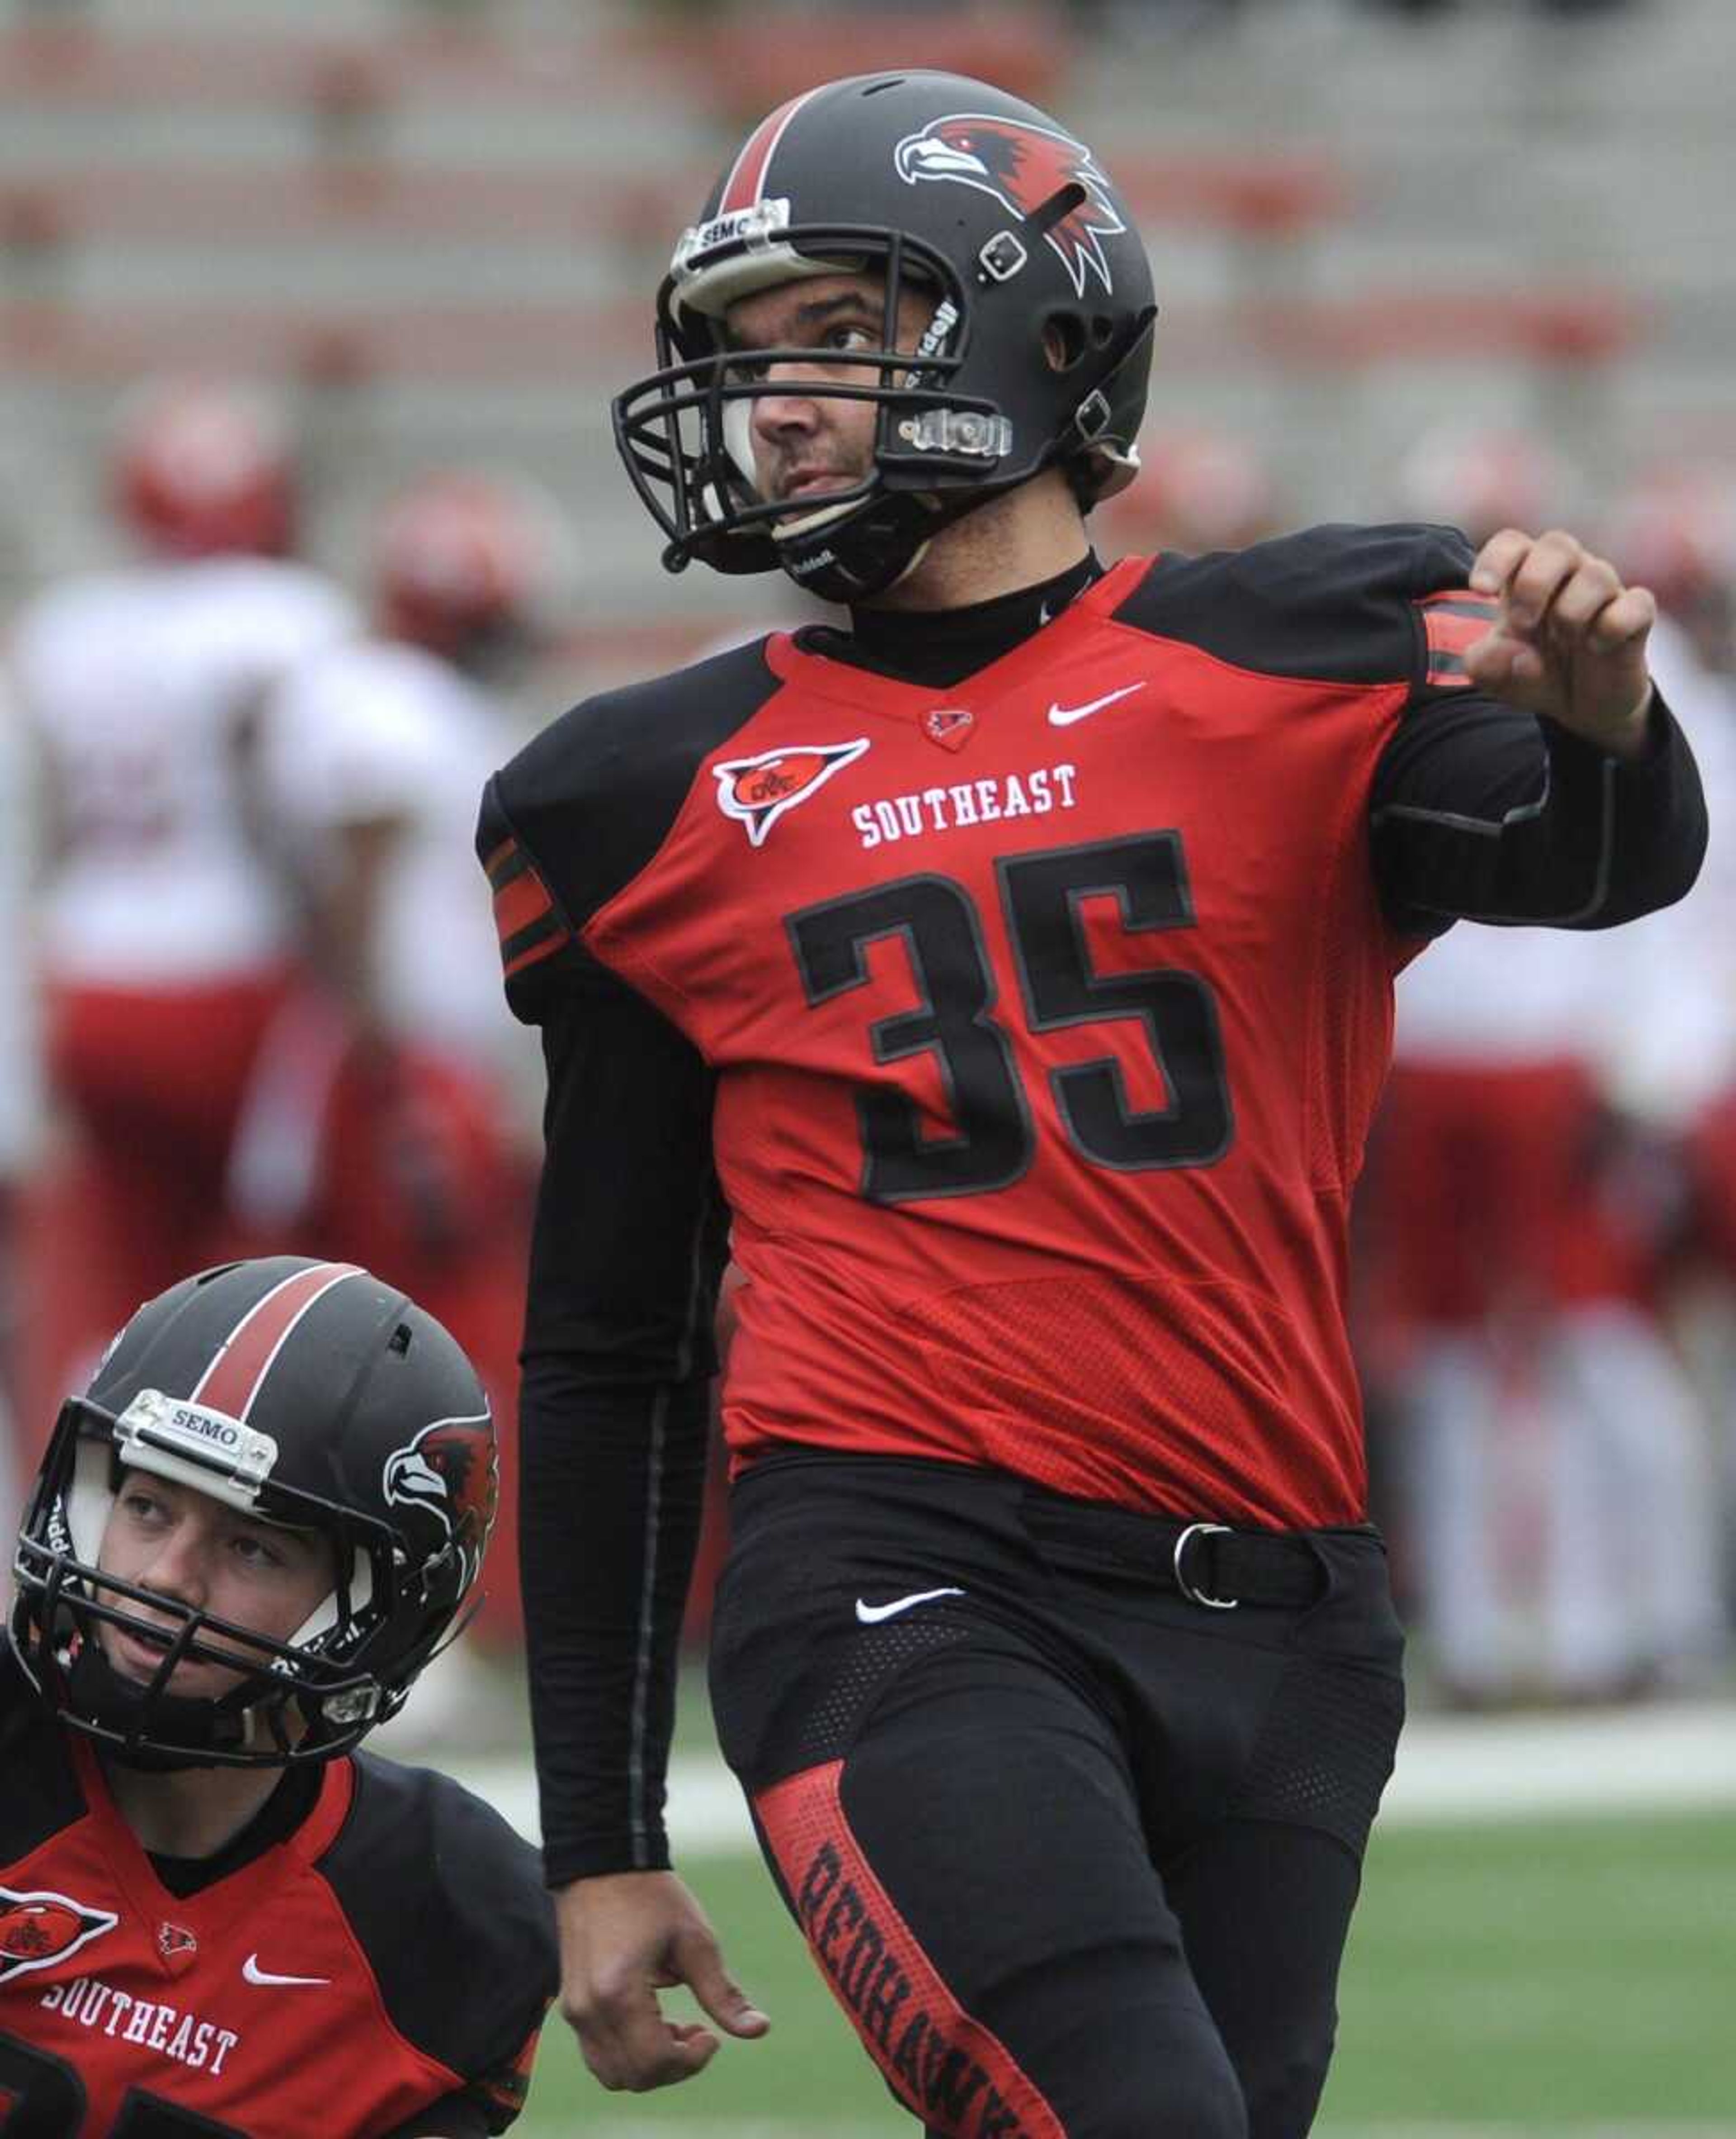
(653, 2128)
(1670, 1757)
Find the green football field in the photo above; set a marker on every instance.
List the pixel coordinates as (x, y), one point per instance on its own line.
(1567, 1976)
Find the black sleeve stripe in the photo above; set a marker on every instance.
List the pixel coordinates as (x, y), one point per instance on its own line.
(640, 1767)
(1488, 827)
(525, 916)
(542, 939)
(649, 1668)
(1460, 601)
(503, 863)
(1452, 623)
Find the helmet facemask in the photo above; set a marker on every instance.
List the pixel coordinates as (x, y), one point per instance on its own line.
(1031, 351)
(685, 432)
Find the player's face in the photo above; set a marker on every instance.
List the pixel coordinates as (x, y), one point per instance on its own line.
(807, 441)
(192, 1550)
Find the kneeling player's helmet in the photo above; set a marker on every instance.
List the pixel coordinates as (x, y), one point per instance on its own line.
(1036, 291)
(303, 1394)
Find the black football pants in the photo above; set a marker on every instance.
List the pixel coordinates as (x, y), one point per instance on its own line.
(1076, 1851)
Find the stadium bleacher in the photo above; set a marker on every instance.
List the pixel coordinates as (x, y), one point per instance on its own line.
(448, 220)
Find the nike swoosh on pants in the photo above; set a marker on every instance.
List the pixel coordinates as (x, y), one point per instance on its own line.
(870, 1615)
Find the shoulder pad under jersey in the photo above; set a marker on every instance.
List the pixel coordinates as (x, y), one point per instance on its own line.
(582, 808)
(1334, 604)
(42, 1793)
(448, 1905)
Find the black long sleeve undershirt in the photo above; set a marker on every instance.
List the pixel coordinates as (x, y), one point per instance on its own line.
(1480, 813)
(629, 1246)
(1475, 810)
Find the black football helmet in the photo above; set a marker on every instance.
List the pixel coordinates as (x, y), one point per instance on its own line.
(1037, 349)
(300, 1392)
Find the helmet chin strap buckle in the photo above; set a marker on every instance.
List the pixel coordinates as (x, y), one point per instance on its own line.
(1092, 417)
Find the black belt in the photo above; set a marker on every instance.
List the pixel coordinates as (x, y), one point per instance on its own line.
(1209, 1563)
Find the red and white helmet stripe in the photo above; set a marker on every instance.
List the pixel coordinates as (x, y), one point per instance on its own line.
(232, 1383)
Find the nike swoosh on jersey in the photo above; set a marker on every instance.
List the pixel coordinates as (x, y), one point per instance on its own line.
(252, 1972)
(870, 1615)
(1064, 717)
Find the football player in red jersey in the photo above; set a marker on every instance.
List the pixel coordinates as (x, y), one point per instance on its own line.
(247, 1540)
(1009, 970)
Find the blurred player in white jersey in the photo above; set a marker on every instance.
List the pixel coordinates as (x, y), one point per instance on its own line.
(381, 1127)
(166, 941)
(1558, 1477)
(19, 1078)
(1680, 521)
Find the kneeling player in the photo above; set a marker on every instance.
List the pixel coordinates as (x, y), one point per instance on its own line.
(247, 1540)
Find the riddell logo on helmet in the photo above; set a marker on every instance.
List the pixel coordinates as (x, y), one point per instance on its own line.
(756, 792)
(1022, 167)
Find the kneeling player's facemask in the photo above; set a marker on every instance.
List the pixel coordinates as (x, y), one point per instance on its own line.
(300, 1393)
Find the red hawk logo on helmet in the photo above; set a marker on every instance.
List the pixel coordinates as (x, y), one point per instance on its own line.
(1022, 167)
(37, 1929)
(450, 1471)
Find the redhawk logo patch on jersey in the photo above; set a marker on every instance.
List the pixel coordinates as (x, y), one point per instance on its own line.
(757, 791)
(38, 1930)
(450, 1472)
(1022, 167)
(177, 1944)
(949, 725)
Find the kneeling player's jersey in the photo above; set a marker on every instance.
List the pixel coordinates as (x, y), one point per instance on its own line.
(382, 1968)
(1043, 1013)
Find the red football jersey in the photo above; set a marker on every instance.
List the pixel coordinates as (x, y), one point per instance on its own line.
(1047, 1014)
(335, 1984)
(1032, 1025)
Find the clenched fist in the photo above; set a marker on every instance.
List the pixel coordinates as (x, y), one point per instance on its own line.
(1569, 640)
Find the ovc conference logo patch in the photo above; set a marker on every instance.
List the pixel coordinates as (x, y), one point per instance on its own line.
(756, 792)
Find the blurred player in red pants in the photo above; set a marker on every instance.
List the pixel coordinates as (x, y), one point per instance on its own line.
(380, 1128)
(166, 939)
(1554, 1459)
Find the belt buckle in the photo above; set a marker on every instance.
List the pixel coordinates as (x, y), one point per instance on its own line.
(1199, 1596)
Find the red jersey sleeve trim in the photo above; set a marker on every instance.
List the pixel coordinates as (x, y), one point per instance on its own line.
(1453, 621)
(526, 919)
(331, 1809)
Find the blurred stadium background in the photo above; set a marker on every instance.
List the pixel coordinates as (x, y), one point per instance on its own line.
(1455, 259)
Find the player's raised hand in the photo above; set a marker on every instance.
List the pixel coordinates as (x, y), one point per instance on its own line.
(1569, 641)
(624, 1938)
